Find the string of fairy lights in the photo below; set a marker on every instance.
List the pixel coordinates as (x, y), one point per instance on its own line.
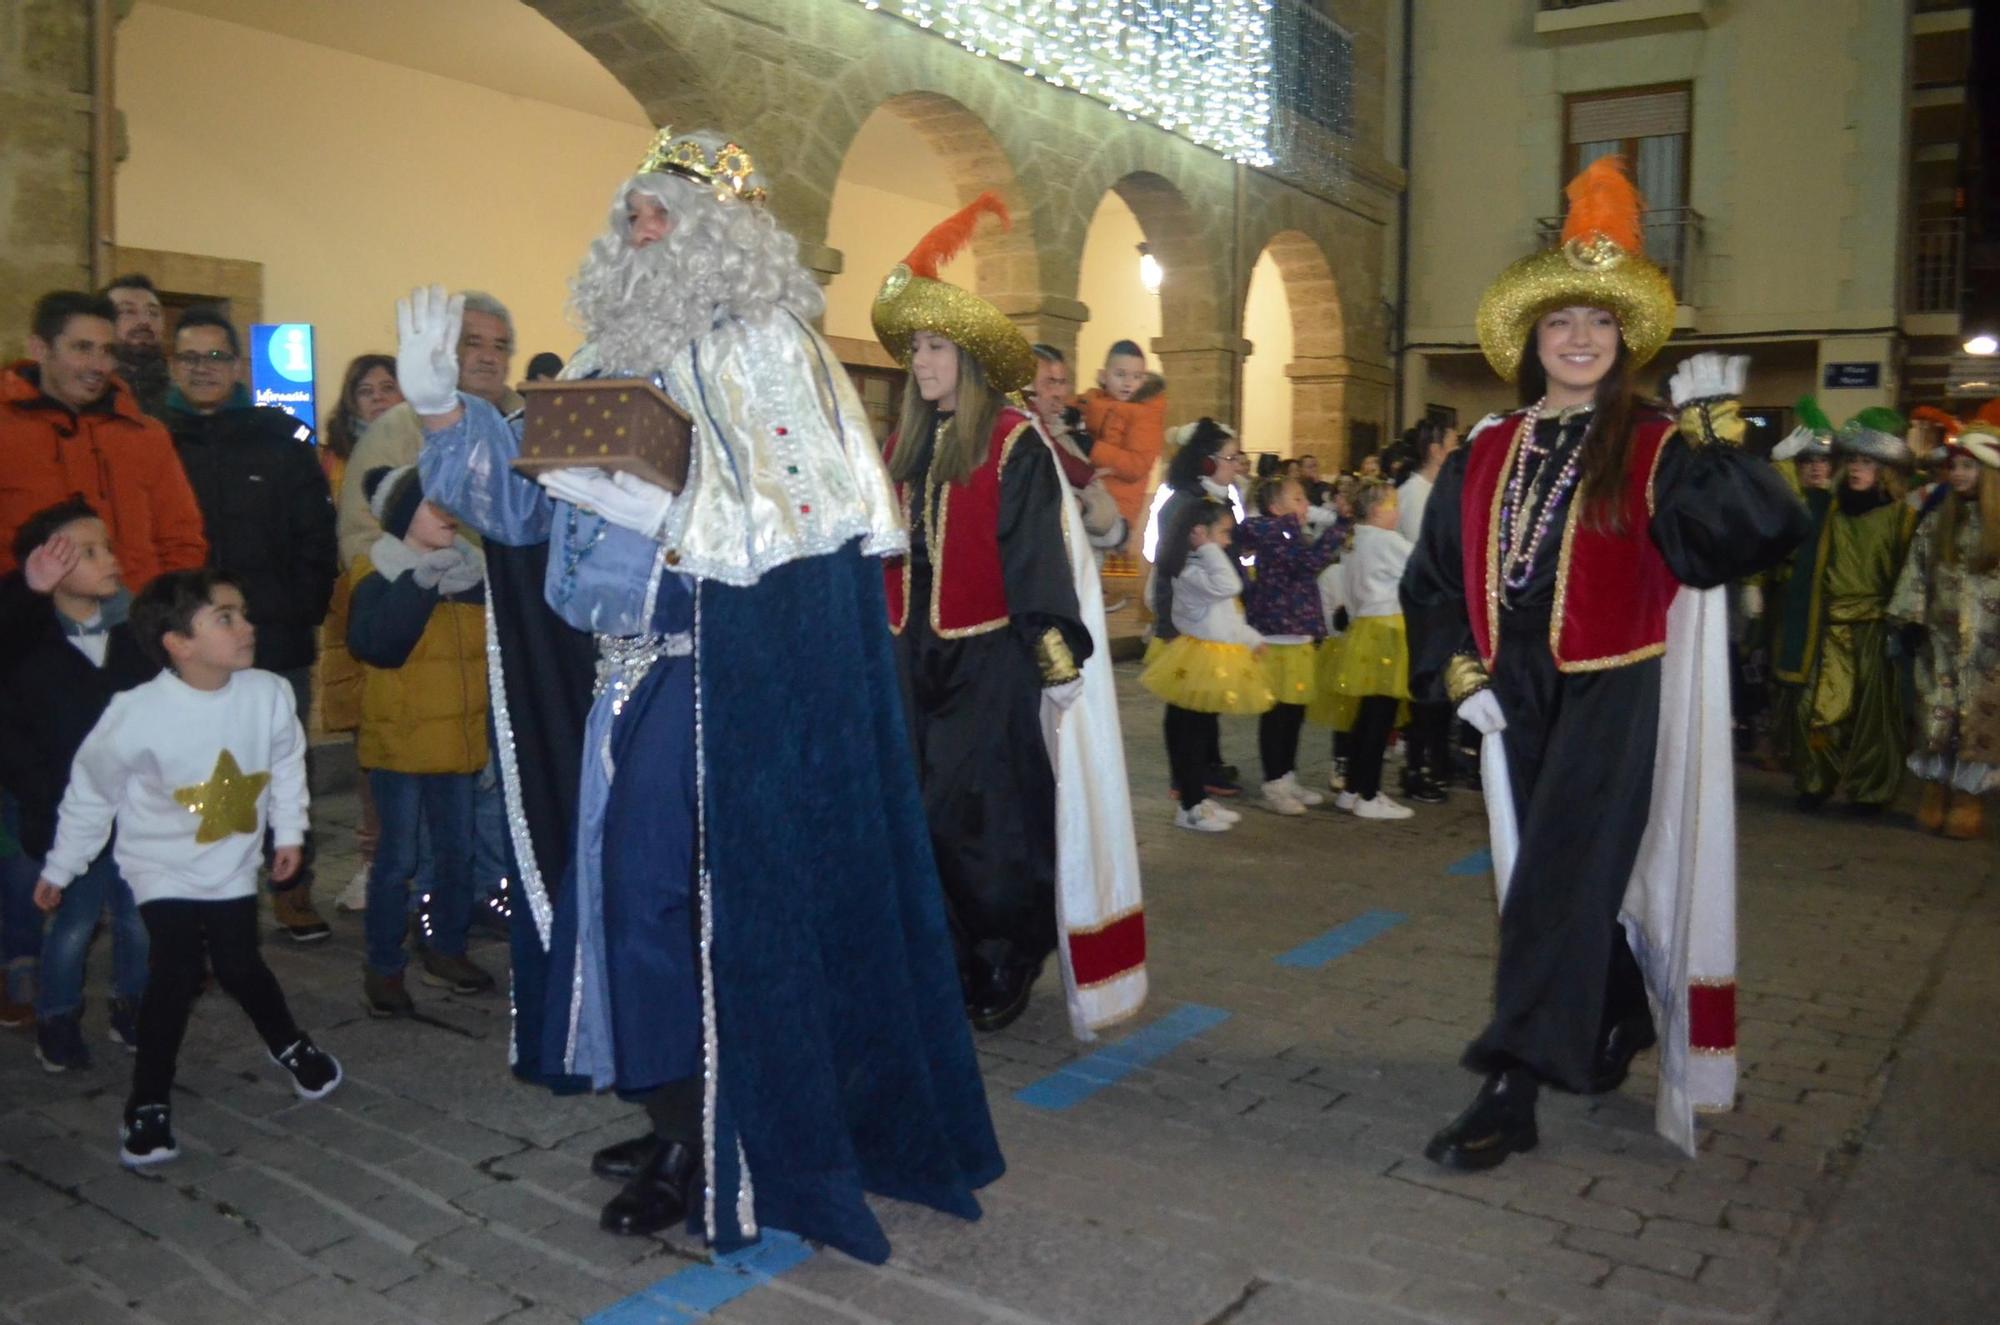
(1203, 69)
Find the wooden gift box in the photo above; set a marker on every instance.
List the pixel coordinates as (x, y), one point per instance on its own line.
(611, 423)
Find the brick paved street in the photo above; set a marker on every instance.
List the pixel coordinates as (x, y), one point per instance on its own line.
(1267, 1170)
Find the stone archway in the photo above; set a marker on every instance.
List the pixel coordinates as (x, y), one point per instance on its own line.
(635, 44)
(1317, 368)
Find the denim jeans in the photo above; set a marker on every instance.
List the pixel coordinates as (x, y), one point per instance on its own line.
(442, 803)
(492, 850)
(66, 946)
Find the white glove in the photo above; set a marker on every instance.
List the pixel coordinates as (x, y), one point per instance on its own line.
(626, 500)
(434, 566)
(1753, 600)
(1709, 377)
(1064, 695)
(427, 326)
(1483, 712)
(1797, 440)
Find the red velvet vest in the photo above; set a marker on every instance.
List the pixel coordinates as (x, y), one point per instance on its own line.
(1612, 589)
(968, 595)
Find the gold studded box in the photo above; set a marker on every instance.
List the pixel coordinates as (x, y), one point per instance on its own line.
(614, 424)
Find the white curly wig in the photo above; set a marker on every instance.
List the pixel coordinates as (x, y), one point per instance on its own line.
(724, 258)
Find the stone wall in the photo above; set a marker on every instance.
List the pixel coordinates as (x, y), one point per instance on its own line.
(45, 59)
(794, 82)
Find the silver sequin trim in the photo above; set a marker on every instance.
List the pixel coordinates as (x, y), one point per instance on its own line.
(705, 896)
(624, 660)
(510, 786)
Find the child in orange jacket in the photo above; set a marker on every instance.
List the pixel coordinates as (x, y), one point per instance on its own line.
(1126, 416)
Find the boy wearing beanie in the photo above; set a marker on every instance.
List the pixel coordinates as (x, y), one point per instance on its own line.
(416, 624)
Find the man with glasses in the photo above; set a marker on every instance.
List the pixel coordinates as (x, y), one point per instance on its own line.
(69, 426)
(269, 514)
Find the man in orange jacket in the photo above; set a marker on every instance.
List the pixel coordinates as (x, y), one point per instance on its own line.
(70, 427)
(1126, 417)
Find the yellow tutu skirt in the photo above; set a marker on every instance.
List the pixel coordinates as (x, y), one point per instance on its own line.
(1291, 670)
(1373, 658)
(1153, 646)
(1207, 677)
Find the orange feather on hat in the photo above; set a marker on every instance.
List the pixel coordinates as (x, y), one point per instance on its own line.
(1603, 200)
(949, 237)
(1932, 414)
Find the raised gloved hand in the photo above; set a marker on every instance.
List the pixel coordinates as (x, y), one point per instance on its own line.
(1705, 390)
(432, 567)
(427, 325)
(1796, 441)
(1482, 710)
(625, 500)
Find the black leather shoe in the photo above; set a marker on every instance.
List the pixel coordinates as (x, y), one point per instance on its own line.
(1001, 998)
(1622, 1043)
(1420, 787)
(657, 1197)
(1499, 1122)
(621, 1161)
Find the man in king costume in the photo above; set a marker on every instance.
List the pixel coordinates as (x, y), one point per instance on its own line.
(771, 975)
(1564, 593)
(1004, 661)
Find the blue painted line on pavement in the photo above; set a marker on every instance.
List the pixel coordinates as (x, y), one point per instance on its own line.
(693, 1293)
(1342, 939)
(1078, 1081)
(1479, 862)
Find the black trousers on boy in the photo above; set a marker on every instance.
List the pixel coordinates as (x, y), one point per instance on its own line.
(184, 933)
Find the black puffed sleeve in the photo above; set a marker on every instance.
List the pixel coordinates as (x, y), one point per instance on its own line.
(1720, 514)
(1433, 590)
(1034, 559)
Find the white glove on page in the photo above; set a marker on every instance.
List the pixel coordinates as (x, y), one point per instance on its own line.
(1709, 377)
(427, 325)
(1483, 712)
(625, 500)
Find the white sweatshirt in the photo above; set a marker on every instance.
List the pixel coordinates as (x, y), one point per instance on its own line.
(191, 778)
(1411, 499)
(1205, 599)
(1372, 571)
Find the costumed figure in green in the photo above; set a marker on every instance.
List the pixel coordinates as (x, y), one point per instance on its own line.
(1847, 730)
(1805, 460)
(1948, 604)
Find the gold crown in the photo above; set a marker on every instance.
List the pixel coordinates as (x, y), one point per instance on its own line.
(727, 170)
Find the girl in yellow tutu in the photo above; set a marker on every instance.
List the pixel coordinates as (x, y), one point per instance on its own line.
(1211, 666)
(1370, 670)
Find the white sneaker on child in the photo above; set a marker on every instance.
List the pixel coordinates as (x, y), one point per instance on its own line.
(1346, 800)
(1303, 795)
(1278, 799)
(1379, 806)
(1201, 819)
(1222, 812)
(354, 897)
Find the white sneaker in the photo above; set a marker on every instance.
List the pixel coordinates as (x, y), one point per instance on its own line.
(1346, 800)
(1222, 812)
(1298, 793)
(1278, 799)
(1201, 819)
(354, 897)
(1379, 806)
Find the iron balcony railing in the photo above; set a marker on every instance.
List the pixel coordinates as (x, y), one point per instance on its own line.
(1673, 240)
(1937, 265)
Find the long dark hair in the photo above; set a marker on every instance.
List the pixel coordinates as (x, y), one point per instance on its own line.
(1174, 549)
(343, 430)
(1607, 442)
(1185, 470)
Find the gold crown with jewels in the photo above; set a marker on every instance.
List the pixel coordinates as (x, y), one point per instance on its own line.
(727, 169)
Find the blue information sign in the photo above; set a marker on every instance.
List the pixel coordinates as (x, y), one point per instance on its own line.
(281, 369)
(1852, 377)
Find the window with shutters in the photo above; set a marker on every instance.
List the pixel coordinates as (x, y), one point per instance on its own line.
(1649, 127)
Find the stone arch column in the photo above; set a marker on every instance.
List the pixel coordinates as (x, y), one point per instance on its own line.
(1319, 370)
(637, 43)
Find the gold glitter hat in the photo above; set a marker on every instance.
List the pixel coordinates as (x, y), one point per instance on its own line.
(1599, 262)
(913, 299)
(706, 158)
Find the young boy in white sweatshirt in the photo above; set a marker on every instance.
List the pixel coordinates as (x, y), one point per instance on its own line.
(190, 767)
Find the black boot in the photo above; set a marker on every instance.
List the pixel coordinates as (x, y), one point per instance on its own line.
(1499, 1122)
(657, 1197)
(621, 1161)
(1421, 787)
(1000, 993)
(1625, 1041)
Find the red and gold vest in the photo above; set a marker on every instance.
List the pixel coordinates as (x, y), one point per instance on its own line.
(968, 594)
(1612, 589)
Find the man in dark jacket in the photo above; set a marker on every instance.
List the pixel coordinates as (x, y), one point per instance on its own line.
(264, 499)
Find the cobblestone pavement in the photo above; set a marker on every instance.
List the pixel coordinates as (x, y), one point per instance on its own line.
(1267, 1170)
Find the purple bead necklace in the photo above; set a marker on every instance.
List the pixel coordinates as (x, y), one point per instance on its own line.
(1524, 522)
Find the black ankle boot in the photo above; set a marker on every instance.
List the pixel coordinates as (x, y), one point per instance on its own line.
(620, 1161)
(1626, 1040)
(1001, 996)
(658, 1195)
(1499, 1122)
